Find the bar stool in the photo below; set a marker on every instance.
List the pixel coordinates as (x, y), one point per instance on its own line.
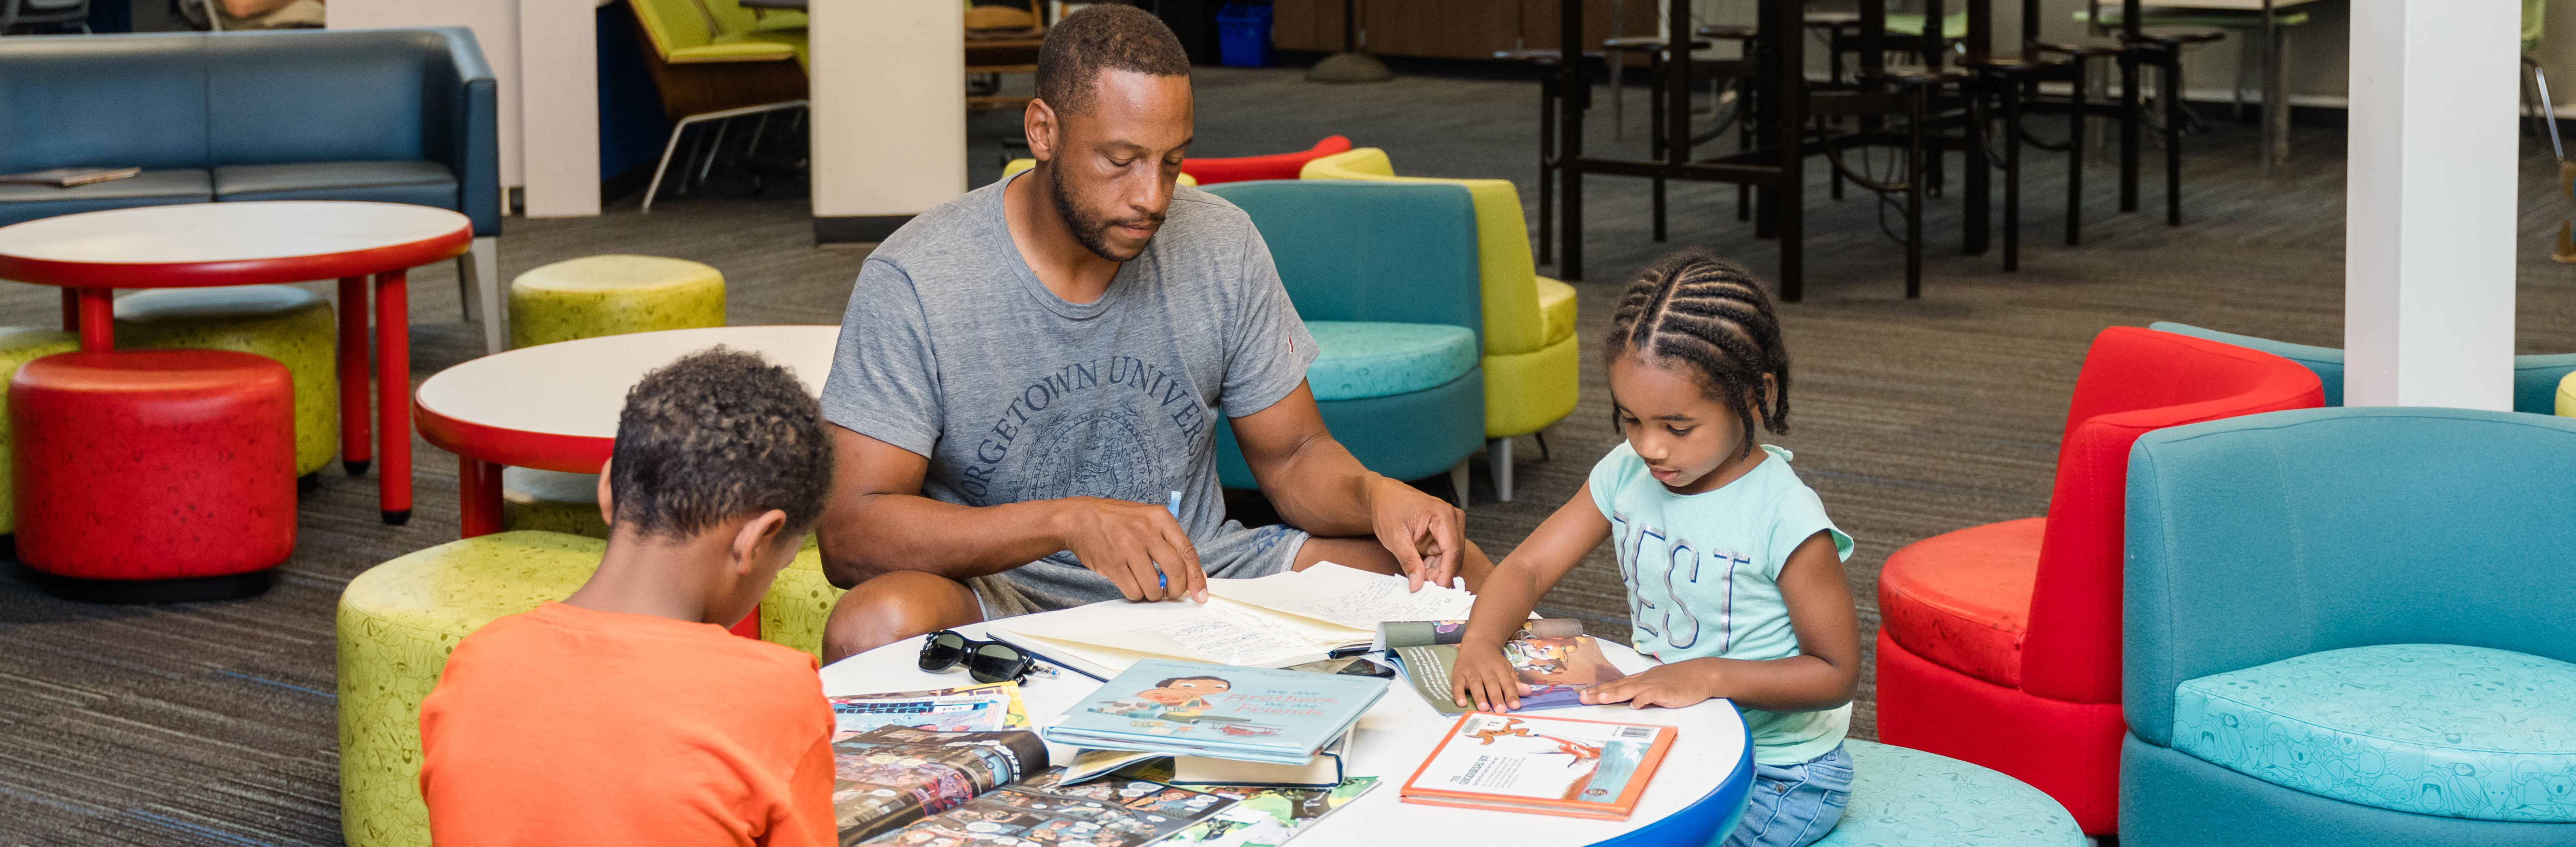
(1548, 100)
(154, 476)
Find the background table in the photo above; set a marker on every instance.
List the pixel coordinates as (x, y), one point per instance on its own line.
(554, 406)
(1696, 796)
(195, 245)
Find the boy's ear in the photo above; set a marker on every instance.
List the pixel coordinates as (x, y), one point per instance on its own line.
(607, 504)
(754, 537)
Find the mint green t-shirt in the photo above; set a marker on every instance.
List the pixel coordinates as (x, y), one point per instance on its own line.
(1703, 574)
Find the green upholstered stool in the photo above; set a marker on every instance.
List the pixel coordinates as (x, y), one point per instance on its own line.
(18, 346)
(1903, 797)
(282, 322)
(552, 501)
(798, 602)
(612, 295)
(397, 624)
(2567, 396)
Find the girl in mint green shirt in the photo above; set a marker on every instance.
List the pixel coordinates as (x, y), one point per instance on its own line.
(1734, 572)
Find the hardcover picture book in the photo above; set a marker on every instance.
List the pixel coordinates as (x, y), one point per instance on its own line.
(991, 707)
(1554, 766)
(1196, 709)
(1558, 668)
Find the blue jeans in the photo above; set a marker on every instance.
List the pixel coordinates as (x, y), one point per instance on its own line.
(1795, 805)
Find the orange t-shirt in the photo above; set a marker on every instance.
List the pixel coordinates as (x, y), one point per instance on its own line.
(568, 726)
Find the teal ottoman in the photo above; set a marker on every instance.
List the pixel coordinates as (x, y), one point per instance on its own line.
(1903, 797)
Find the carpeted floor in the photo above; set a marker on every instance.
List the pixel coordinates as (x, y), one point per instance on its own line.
(214, 723)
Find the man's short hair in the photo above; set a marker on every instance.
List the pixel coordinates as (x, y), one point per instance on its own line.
(717, 435)
(1104, 37)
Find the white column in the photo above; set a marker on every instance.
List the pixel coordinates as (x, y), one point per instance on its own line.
(2429, 225)
(889, 113)
(559, 106)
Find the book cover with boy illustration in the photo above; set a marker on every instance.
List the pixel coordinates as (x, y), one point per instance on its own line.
(1557, 766)
(1199, 709)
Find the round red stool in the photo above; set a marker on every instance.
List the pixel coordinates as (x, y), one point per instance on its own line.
(154, 476)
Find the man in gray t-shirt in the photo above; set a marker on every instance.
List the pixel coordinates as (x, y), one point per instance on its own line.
(1028, 373)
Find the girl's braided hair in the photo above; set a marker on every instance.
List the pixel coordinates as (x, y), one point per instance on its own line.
(1716, 317)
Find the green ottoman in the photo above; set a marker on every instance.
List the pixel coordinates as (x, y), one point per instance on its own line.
(612, 295)
(282, 322)
(798, 602)
(18, 346)
(553, 501)
(397, 622)
(1903, 797)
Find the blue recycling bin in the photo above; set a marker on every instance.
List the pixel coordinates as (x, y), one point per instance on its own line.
(1243, 35)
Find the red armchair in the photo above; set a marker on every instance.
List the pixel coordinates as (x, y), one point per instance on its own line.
(1275, 166)
(2000, 644)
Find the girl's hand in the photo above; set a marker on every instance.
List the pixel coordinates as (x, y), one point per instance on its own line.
(1670, 686)
(1484, 680)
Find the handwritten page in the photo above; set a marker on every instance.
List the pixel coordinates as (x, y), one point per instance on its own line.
(1346, 596)
(1172, 629)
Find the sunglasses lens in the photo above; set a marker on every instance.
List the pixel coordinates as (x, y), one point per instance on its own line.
(942, 650)
(995, 663)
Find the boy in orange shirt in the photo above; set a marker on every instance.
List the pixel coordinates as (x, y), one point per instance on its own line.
(626, 714)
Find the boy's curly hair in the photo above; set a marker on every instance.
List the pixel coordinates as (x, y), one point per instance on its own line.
(1715, 317)
(716, 435)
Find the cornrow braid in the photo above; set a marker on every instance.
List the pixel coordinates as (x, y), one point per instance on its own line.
(1716, 317)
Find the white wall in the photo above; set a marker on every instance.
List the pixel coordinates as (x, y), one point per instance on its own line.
(544, 58)
(889, 110)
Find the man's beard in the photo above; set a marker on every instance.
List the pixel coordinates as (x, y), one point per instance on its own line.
(1093, 232)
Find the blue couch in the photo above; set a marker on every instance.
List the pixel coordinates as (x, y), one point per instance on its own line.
(394, 115)
(2535, 378)
(2351, 627)
(1385, 276)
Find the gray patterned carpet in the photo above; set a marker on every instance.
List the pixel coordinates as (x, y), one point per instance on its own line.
(213, 723)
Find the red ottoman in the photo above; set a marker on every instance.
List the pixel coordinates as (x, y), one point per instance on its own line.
(153, 476)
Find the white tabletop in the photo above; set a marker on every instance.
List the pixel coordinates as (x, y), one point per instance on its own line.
(1393, 739)
(226, 232)
(577, 387)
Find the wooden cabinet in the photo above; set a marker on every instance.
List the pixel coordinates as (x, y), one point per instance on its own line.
(1445, 29)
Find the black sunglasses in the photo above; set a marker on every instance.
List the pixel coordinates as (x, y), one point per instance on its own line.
(986, 661)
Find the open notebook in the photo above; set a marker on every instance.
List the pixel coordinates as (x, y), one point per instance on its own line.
(1271, 622)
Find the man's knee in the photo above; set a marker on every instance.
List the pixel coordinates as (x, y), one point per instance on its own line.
(893, 607)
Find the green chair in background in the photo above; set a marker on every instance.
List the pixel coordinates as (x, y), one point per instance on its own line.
(18, 346)
(1385, 277)
(282, 322)
(2539, 382)
(1531, 362)
(706, 71)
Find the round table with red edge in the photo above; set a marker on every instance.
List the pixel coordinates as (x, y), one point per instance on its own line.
(555, 406)
(193, 245)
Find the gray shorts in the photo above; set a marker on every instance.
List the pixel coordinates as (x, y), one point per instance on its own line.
(1052, 583)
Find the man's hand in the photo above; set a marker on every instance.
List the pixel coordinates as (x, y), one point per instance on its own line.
(1485, 680)
(1125, 541)
(1671, 686)
(1426, 534)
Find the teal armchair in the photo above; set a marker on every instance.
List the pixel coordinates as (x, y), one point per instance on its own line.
(2350, 627)
(1386, 278)
(2535, 378)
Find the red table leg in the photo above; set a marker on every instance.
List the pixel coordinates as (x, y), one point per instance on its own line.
(71, 310)
(478, 485)
(393, 397)
(97, 319)
(353, 375)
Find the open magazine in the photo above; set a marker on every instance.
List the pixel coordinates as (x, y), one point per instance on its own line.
(1111, 812)
(1268, 817)
(888, 777)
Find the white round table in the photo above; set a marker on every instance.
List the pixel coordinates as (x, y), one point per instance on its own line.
(191, 245)
(1696, 797)
(555, 406)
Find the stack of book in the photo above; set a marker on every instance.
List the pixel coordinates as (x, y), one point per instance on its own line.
(1173, 708)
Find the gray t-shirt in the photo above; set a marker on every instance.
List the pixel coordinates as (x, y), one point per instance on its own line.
(952, 349)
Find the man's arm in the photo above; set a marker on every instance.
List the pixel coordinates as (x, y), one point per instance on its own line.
(1317, 486)
(878, 522)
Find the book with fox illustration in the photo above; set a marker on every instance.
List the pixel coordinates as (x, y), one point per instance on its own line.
(1553, 766)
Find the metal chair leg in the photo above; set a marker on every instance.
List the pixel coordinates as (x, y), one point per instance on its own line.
(1458, 483)
(1498, 456)
(2075, 152)
(714, 150)
(668, 148)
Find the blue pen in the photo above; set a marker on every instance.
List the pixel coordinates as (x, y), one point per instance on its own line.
(1162, 580)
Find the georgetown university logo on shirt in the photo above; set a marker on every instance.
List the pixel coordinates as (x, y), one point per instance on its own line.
(1095, 428)
(1657, 565)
